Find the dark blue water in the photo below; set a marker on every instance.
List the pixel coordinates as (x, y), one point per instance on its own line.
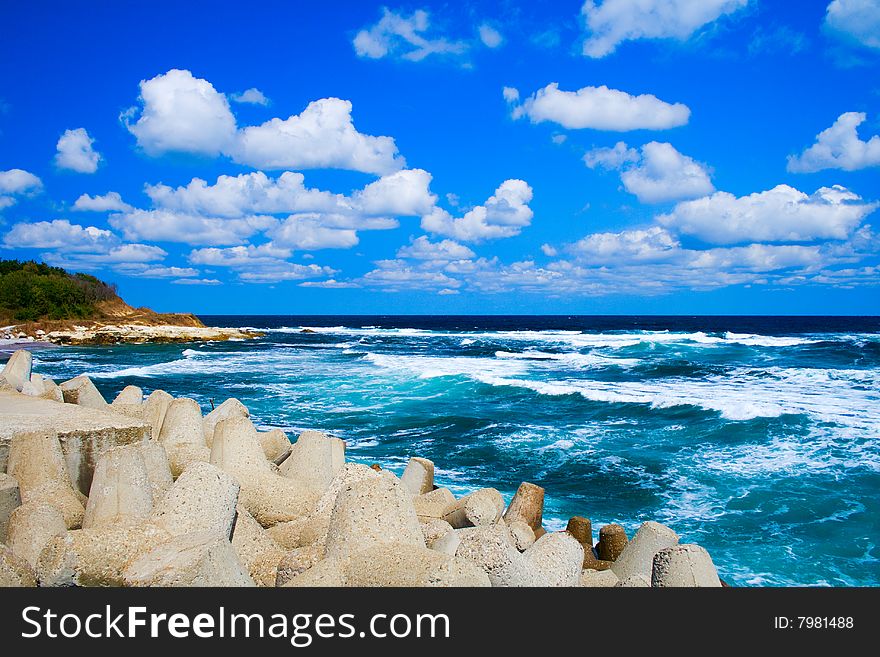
(757, 437)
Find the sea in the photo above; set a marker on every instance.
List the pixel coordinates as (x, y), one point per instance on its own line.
(756, 437)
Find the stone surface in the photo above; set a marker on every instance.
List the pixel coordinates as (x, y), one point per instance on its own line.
(82, 392)
(158, 470)
(182, 435)
(558, 557)
(633, 582)
(418, 477)
(490, 548)
(684, 565)
(434, 529)
(17, 371)
(32, 526)
(527, 505)
(396, 564)
(256, 550)
(84, 432)
(637, 558)
(598, 579)
(202, 499)
(482, 507)
(14, 571)
(433, 504)
(612, 541)
(298, 561)
(230, 408)
(372, 512)
(197, 559)
(276, 445)
(155, 408)
(314, 460)
(325, 573)
(37, 464)
(523, 536)
(129, 395)
(302, 532)
(10, 499)
(120, 492)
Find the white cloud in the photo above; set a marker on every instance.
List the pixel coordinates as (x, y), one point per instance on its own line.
(549, 250)
(612, 22)
(181, 113)
(147, 271)
(59, 234)
(839, 147)
(122, 256)
(310, 232)
(601, 108)
(111, 201)
(323, 135)
(511, 95)
(490, 37)
(406, 36)
(17, 182)
(288, 272)
(75, 152)
(252, 96)
(240, 256)
(395, 275)
(656, 175)
(170, 226)
(855, 19)
(649, 245)
(424, 249)
(330, 284)
(197, 281)
(504, 214)
(404, 193)
(782, 214)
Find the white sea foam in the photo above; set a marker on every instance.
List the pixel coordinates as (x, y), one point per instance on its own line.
(427, 367)
(573, 359)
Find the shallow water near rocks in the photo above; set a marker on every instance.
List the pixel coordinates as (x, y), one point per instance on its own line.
(758, 438)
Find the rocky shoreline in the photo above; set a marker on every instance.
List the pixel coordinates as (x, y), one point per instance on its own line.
(148, 491)
(98, 334)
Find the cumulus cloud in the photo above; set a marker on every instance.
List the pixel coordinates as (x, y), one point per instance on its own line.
(424, 249)
(839, 147)
(405, 36)
(118, 257)
(266, 263)
(504, 214)
(649, 245)
(181, 113)
(657, 174)
(252, 96)
(405, 193)
(490, 37)
(75, 152)
(109, 202)
(323, 135)
(169, 226)
(197, 281)
(612, 22)
(782, 214)
(287, 272)
(17, 182)
(59, 234)
(600, 108)
(396, 275)
(856, 20)
(311, 232)
(330, 284)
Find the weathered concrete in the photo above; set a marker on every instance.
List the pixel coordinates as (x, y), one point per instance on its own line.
(268, 496)
(202, 499)
(558, 557)
(612, 541)
(314, 460)
(129, 395)
(325, 573)
(230, 408)
(684, 565)
(182, 436)
(121, 493)
(527, 505)
(418, 477)
(397, 564)
(52, 391)
(37, 463)
(198, 559)
(371, 512)
(523, 536)
(633, 582)
(482, 507)
(434, 529)
(32, 526)
(10, 499)
(637, 558)
(84, 433)
(433, 504)
(490, 548)
(35, 386)
(17, 371)
(598, 579)
(302, 532)
(256, 550)
(81, 391)
(298, 561)
(14, 571)
(158, 470)
(276, 445)
(155, 407)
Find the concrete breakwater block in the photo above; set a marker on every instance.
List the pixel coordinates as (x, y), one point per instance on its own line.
(314, 460)
(612, 541)
(197, 559)
(298, 561)
(684, 565)
(257, 551)
(637, 558)
(129, 395)
(480, 508)
(14, 571)
(121, 493)
(433, 504)
(558, 557)
(10, 499)
(326, 573)
(182, 435)
(527, 505)
(230, 408)
(202, 499)
(523, 536)
(32, 526)
(490, 548)
(158, 471)
(268, 496)
(155, 408)
(82, 392)
(598, 579)
(17, 371)
(372, 512)
(408, 565)
(418, 476)
(37, 464)
(84, 433)
(276, 445)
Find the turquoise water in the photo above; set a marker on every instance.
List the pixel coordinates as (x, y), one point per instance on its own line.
(761, 444)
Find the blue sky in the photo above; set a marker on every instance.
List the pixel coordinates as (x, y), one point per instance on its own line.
(686, 156)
